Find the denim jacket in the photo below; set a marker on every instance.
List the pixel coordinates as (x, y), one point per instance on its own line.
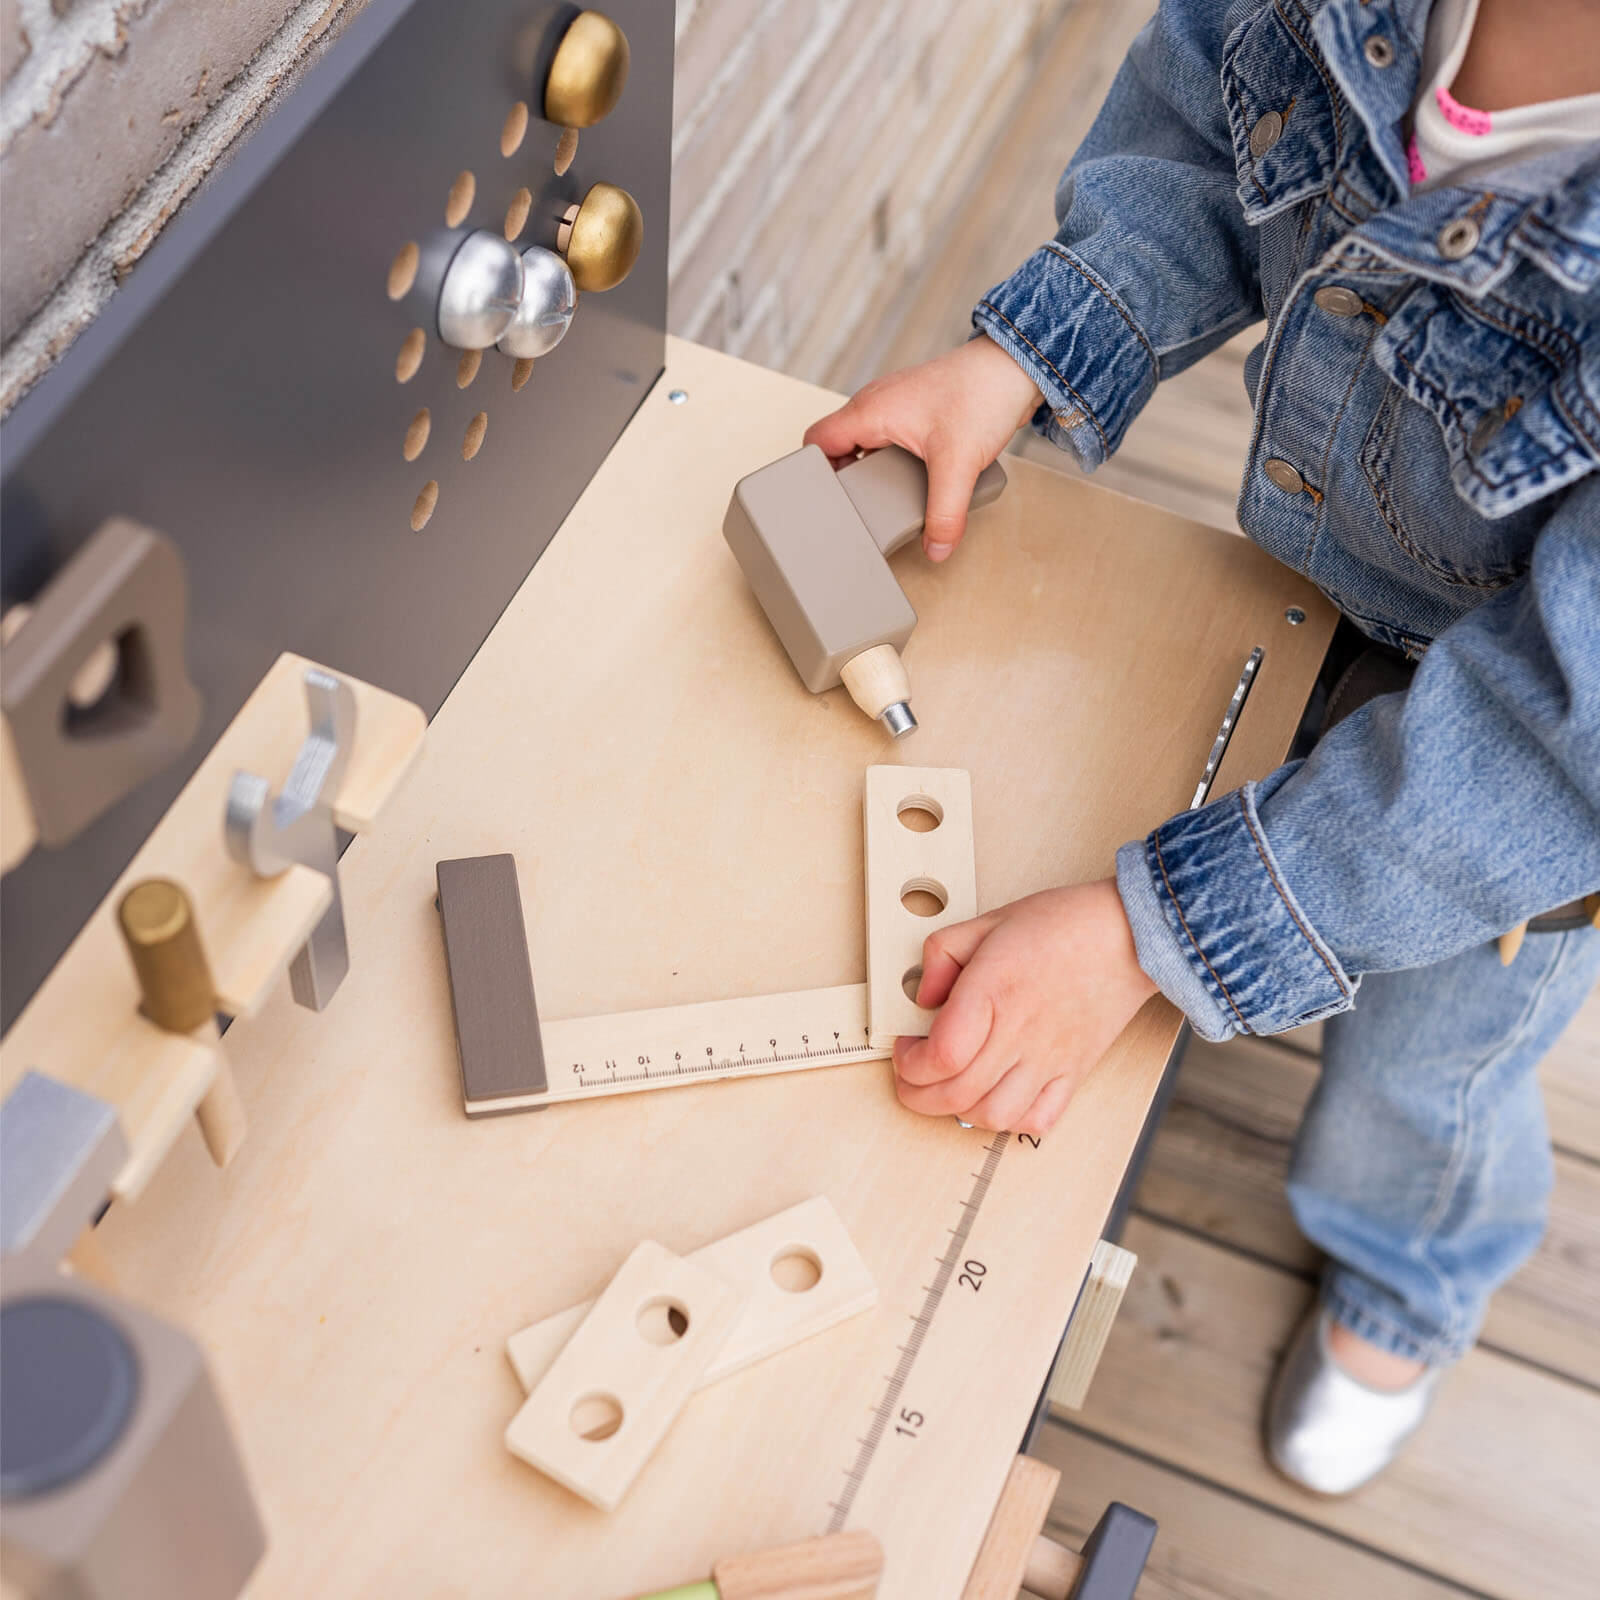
(1426, 440)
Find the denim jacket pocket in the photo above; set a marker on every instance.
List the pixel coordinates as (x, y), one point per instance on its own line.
(1472, 438)
(1283, 113)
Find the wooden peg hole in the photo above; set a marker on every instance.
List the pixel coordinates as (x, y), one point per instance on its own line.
(911, 982)
(467, 367)
(596, 1416)
(796, 1270)
(473, 442)
(459, 201)
(410, 357)
(920, 813)
(403, 271)
(924, 897)
(662, 1321)
(566, 149)
(423, 508)
(514, 130)
(417, 435)
(517, 213)
(520, 373)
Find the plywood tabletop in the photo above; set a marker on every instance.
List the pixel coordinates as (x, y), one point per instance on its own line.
(687, 825)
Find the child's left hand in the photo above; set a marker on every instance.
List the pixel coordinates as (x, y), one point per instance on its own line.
(1032, 996)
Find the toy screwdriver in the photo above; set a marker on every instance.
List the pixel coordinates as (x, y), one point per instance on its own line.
(838, 1566)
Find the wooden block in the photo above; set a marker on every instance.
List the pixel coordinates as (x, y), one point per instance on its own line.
(1110, 1270)
(751, 1262)
(1019, 1515)
(491, 983)
(908, 868)
(838, 1566)
(608, 1399)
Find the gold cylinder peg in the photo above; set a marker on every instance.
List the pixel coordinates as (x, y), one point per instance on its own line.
(602, 237)
(588, 72)
(158, 925)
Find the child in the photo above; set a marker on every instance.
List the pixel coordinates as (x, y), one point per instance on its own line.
(1410, 195)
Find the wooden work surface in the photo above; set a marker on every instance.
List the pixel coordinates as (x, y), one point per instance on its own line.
(687, 821)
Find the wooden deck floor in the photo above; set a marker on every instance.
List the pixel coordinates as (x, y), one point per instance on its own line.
(1498, 1495)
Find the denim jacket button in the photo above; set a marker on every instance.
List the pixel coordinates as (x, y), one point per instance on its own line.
(1458, 239)
(1338, 301)
(1378, 51)
(1266, 133)
(1283, 476)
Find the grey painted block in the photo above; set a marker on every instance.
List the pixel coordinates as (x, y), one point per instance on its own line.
(491, 983)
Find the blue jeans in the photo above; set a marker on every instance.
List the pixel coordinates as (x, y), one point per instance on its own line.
(1423, 1164)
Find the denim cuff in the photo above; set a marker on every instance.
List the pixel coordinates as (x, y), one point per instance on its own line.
(1073, 336)
(1218, 929)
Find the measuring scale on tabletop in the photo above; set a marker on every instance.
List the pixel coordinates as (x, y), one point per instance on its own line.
(935, 1374)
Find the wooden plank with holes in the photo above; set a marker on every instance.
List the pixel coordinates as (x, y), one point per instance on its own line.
(1219, 1164)
(919, 879)
(595, 1418)
(797, 1274)
(687, 824)
(1186, 1372)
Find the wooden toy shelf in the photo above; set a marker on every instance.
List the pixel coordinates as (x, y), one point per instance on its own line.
(686, 820)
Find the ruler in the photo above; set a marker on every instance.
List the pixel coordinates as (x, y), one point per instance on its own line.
(747, 1037)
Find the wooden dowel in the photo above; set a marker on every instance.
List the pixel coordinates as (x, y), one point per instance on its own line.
(1007, 1547)
(1052, 1569)
(158, 927)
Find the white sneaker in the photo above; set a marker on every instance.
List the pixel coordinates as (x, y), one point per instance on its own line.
(1331, 1433)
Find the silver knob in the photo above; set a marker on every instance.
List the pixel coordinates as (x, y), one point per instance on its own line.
(480, 291)
(544, 313)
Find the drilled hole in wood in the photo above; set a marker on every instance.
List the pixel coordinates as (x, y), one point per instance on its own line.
(566, 149)
(410, 357)
(596, 1416)
(417, 435)
(921, 813)
(662, 1321)
(515, 129)
(473, 442)
(467, 367)
(924, 897)
(459, 201)
(520, 373)
(403, 271)
(517, 213)
(796, 1270)
(424, 505)
(911, 981)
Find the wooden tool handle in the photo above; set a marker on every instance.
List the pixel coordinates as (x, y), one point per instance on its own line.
(839, 1566)
(876, 679)
(158, 927)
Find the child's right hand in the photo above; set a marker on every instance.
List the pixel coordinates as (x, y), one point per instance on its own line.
(957, 412)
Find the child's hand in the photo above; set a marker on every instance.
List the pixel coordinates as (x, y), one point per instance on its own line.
(957, 413)
(1032, 995)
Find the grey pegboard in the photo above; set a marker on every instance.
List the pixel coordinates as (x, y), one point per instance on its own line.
(240, 393)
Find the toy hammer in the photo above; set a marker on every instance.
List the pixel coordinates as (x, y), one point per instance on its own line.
(814, 544)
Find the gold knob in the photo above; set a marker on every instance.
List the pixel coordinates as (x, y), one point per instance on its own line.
(157, 922)
(588, 74)
(601, 238)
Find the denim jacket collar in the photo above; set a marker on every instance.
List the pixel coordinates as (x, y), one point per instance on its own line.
(1381, 96)
(1545, 211)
